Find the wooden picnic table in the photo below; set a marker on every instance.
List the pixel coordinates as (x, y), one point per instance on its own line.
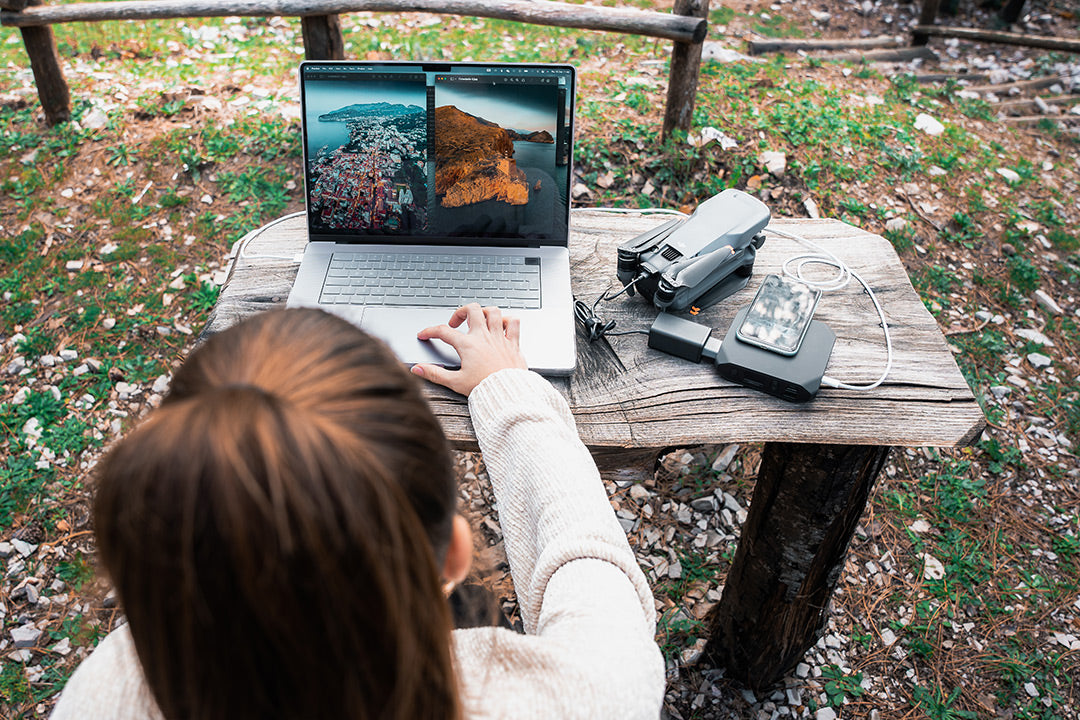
(632, 403)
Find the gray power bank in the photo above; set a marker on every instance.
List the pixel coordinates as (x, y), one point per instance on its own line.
(796, 378)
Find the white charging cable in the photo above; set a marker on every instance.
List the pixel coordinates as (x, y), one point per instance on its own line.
(793, 267)
(634, 211)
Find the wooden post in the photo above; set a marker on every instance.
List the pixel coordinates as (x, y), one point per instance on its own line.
(45, 62)
(1010, 13)
(685, 67)
(322, 37)
(926, 17)
(806, 504)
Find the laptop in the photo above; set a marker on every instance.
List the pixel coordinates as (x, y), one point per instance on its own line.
(432, 185)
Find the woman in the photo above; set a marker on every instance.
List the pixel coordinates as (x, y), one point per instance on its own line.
(282, 535)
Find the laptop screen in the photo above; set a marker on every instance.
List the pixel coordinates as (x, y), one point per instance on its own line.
(437, 152)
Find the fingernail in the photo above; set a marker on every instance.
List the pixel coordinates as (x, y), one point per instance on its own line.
(417, 370)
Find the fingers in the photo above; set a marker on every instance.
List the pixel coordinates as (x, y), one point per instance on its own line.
(447, 334)
(460, 315)
(436, 374)
(474, 314)
(512, 328)
(494, 319)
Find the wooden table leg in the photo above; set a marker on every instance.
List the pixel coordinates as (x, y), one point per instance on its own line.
(806, 504)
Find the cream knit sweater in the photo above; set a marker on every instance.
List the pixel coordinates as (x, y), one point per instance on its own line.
(588, 612)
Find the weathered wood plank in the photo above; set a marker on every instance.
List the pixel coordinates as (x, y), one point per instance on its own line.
(625, 395)
(1021, 85)
(759, 47)
(1003, 38)
(906, 54)
(538, 12)
(684, 72)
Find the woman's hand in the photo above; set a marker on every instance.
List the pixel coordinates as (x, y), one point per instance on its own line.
(490, 345)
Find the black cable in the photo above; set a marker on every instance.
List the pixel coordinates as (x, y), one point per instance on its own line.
(595, 326)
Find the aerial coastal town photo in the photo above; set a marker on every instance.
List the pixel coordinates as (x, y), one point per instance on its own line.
(367, 164)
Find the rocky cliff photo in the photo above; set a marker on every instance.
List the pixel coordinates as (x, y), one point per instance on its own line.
(474, 160)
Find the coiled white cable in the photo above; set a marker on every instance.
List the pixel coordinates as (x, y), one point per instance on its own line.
(793, 267)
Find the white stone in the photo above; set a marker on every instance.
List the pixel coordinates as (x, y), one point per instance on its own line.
(775, 162)
(73, 265)
(932, 567)
(896, 224)
(1031, 690)
(725, 457)
(95, 119)
(63, 647)
(935, 171)
(25, 636)
(1009, 175)
(1035, 336)
(32, 428)
(1038, 360)
(1047, 302)
(928, 125)
(24, 549)
(68, 355)
(715, 52)
(108, 323)
(825, 713)
(811, 208)
(919, 526)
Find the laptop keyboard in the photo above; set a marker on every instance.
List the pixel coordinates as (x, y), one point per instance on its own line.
(432, 280)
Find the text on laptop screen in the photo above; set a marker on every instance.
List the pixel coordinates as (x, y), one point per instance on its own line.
(440, 152)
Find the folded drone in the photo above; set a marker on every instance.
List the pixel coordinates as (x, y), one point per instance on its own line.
(699, 260)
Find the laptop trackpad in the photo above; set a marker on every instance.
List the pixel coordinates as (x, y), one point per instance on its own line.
(398, 327)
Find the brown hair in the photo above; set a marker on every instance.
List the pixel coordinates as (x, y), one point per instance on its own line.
(275, 530)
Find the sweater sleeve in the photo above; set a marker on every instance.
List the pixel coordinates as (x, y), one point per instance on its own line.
(552, 506)
(108, 685)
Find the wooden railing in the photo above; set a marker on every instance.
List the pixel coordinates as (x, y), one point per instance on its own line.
(686, 26)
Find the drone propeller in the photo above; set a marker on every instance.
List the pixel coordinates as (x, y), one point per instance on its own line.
(690, 272)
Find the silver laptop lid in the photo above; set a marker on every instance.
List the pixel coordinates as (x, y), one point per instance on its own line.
(438, 153)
